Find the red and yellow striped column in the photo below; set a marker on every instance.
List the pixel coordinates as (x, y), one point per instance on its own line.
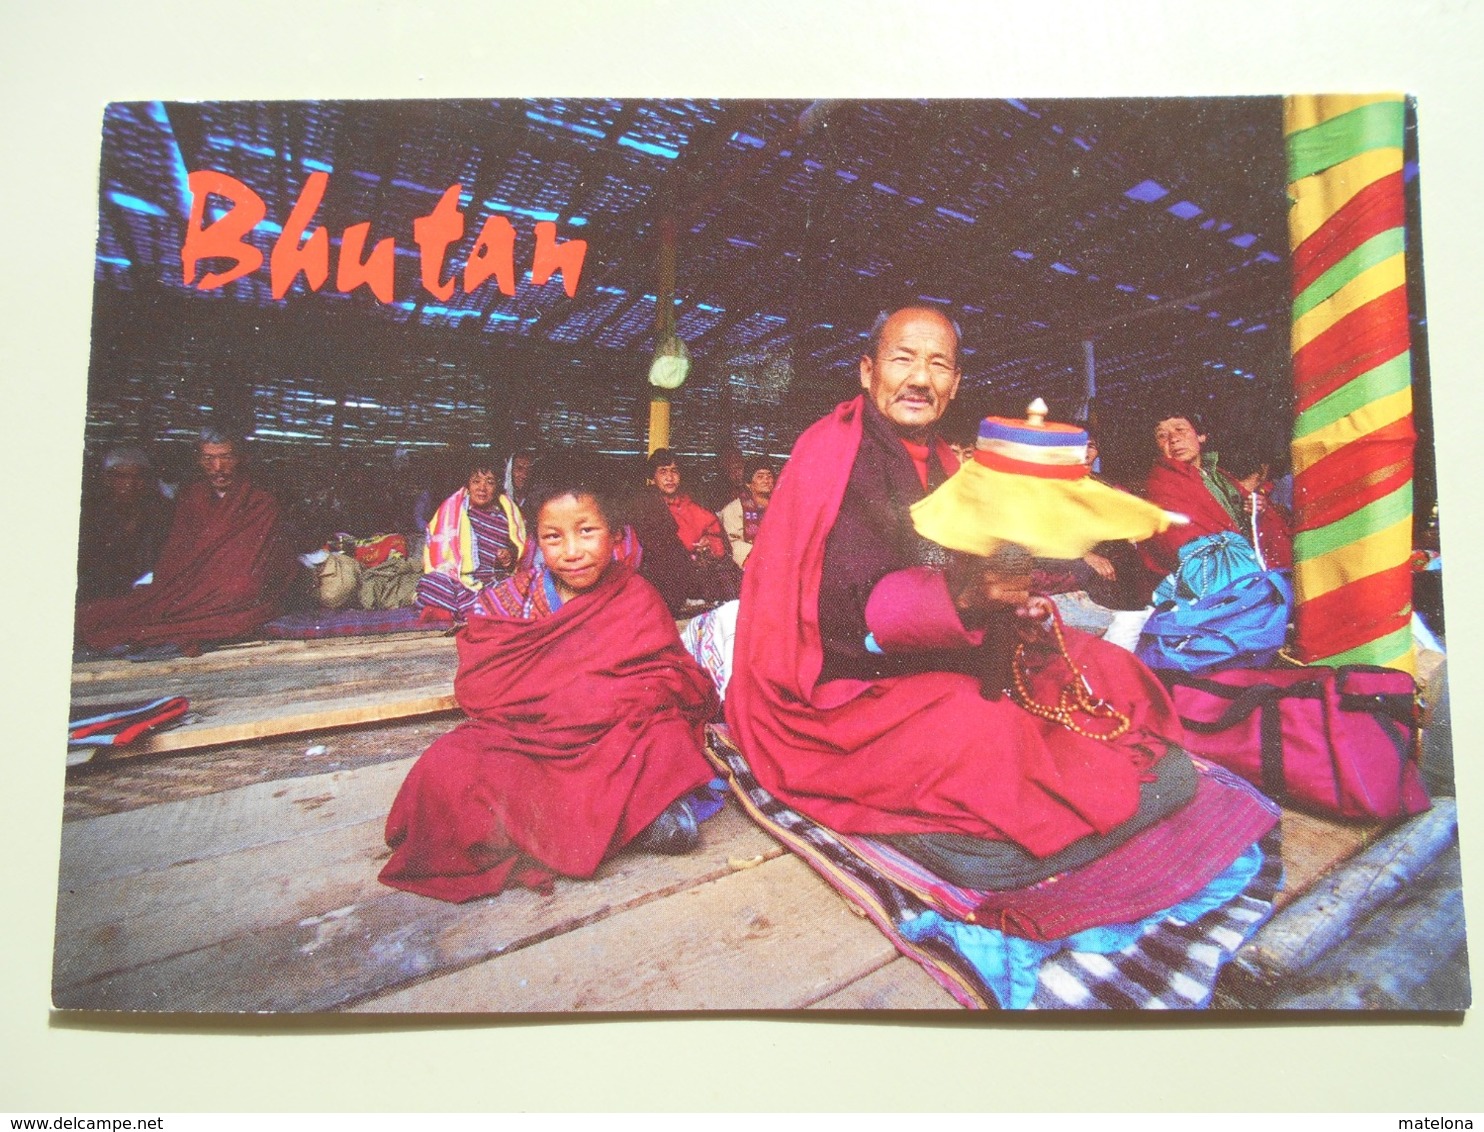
(1352, 372)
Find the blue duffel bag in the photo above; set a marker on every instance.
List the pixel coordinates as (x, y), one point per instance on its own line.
(1218, 609)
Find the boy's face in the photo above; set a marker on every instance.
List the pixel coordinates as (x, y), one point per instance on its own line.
(577, 542)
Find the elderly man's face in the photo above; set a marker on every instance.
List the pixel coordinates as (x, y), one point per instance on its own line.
(915, 371)
(1177, 439)
(126, 483)
(219, 464)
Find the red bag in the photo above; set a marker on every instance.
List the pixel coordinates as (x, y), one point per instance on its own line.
(1341, 741)
(373, 551)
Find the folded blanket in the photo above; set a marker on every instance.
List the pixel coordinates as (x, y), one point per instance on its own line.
(1155, 869)
(113, 725)
(1012, 965)
(1161, 961)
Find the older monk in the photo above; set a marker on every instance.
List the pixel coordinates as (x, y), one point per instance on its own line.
(124, 524)
(854, 694)
(222, 571)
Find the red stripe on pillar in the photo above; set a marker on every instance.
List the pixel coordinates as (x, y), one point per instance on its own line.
(1360, 611)
(1328, 488)
(1361, 341)
(1335, 504)
(1376, 208)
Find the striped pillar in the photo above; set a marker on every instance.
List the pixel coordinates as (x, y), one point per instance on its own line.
(1352, 373)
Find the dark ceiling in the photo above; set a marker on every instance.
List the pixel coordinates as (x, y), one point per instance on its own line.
(1152, 229)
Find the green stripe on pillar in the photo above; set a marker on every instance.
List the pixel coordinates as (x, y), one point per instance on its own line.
(1376, 125)
(1379, 651)
(1387, 378)
(1384, 512)
(1377, 249)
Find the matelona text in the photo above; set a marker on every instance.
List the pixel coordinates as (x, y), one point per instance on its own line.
(493, 253)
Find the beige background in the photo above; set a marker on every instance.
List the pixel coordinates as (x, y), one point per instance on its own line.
(61, 65)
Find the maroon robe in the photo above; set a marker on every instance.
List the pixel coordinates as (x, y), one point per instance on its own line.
(1178, 486)
(911, 751)
(222, 572)
(584, 725)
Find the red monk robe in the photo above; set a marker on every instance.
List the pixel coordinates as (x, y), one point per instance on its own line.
(222, 572)
(695, 525)
(584, 725)
(923, 751)
(1179, 486)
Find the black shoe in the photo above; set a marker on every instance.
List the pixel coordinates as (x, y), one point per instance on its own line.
(84, 653)
(146, 653)
(674, 832)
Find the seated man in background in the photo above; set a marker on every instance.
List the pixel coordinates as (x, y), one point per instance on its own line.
(685, 555)
(1185, 478)
(698, 528)
(740, 517)
(222, 572)
(517, 475)
(123, 526)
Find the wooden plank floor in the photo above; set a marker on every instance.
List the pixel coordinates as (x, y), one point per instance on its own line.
(244, 879)
(271, 688)
(264, 898)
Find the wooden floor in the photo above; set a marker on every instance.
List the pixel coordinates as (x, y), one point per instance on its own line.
(264, 688)
(242, 877)
(264, 898)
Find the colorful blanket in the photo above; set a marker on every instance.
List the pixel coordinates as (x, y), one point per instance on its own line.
(708, 637)
(114, 725)
(1169, 960)
(452, 547)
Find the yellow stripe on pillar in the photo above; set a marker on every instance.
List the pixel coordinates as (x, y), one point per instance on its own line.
(1305, 111)
(1317, 198)
(1369, 285)
(1360, 559)
(1309, 450)
(659, 423)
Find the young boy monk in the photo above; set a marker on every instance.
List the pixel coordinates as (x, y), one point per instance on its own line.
(585, 717)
